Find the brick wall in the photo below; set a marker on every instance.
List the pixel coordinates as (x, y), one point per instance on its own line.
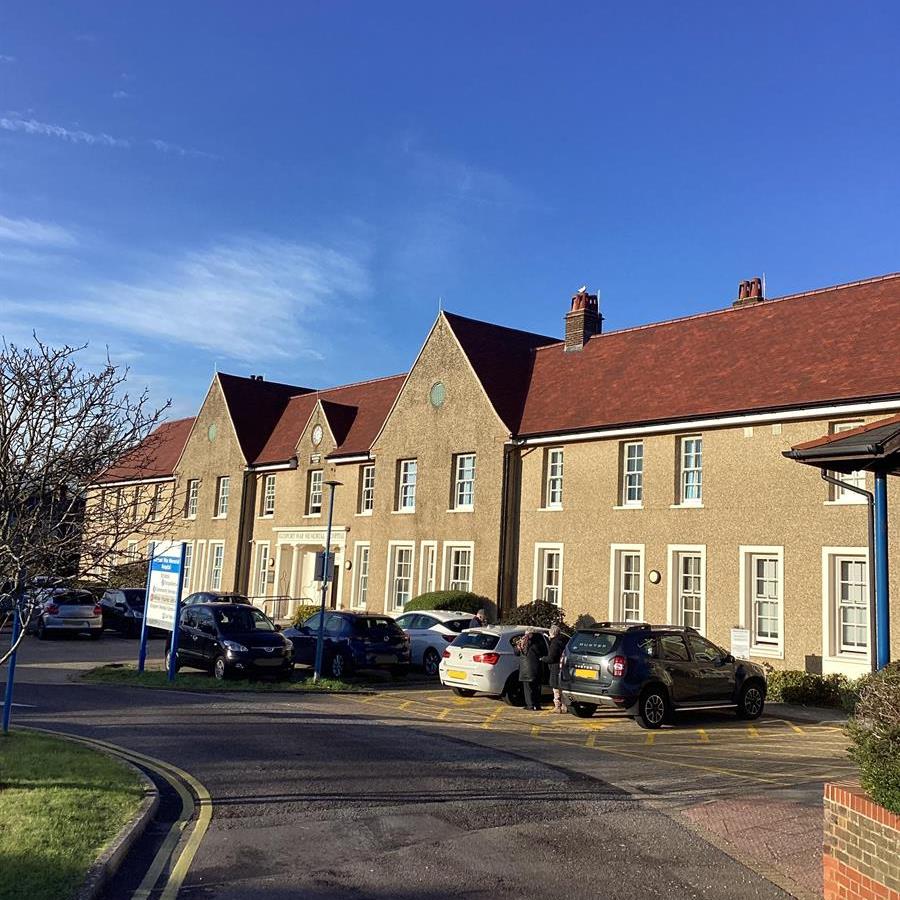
(862, 847)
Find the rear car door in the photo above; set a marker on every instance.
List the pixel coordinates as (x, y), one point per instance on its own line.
(684, 681)
(206, 636)
(305, 640)
(717, 677)
(188, 650)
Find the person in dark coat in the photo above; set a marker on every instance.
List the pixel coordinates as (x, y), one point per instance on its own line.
(530, 670)
(479, 620)
(558, 643)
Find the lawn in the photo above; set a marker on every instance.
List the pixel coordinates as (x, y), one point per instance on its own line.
(60, 804)
(200, 681)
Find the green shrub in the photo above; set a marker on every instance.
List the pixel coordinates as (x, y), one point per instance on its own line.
(303, 612)
(540, 614)
(454, 601)
(874, 732)
(807, 689)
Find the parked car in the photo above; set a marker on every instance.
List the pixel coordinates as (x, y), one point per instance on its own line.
(215, 597)
(429, 632)
(484, 661)
(352, 641)
(123, 609)
(654, 671)
(66, 610)
(230, 639)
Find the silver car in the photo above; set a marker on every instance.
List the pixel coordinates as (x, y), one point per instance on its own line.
(484, 661)
(429, 632)
(64, 609)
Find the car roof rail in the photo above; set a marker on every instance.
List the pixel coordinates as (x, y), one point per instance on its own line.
(685, 628)
(627, 626)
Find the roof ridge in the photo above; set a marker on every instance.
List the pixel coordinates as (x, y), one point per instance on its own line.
(350, 384)
(177, 421)
(536, 334)
(283, 384)
(736, 309)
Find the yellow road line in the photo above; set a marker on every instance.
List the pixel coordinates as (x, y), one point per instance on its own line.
(753, 731)
(704, 737)
(650, 739)
(406, 705)
(444, 713)
(591, 740)
(535, 730)
(796, 728)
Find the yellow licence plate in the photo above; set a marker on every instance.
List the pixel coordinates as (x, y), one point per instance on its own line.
(586, 673)
(455, 673)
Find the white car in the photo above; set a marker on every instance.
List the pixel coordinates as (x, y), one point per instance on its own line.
(429, 632)
(483, 661)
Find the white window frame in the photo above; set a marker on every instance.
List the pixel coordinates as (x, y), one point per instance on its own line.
(747, 617)
(834, 659)
(268, 499)
(223, 489)
(131, 551)
(362, 559)
(463, 482)
(156, 502)
(447, 563)
(261, 569)
(214, 583)
(428, 554)
(389, 587)
(539, 585)
(673, 581)
(366, 489)
(839, 496)
(407, 481)
(636, 476)
(188, 568)
(554, 475)
(684, 470)
(193, 498)
(617, 554)
(314, 488)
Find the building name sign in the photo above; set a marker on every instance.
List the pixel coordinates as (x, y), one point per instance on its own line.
(311, 536)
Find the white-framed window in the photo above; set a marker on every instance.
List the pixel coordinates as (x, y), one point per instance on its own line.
(361, 551)
(400, 570)
(856, 479)
(553, 478)
(632, 474)
(193, 496)
(464, 481)
(458, 563)
(687, 585)
(136, 495)
(762, 598)
(156, 502)
(428, 553)
(548, 572)
(216, 563)
(314, 493)
(408, 472)
(366, 490)
(223, 485)
(188, 567)
(690, 454)
(626, 583)
(262, 568)
(131, 551)
(845, 610)
(200, 565)
(268, 498)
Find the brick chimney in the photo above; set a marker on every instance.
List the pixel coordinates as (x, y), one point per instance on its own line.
(583, 320)
(749, 293)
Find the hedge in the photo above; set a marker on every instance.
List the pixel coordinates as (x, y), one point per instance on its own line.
(540, 614)
(874, 732)
(454, 601)
(303, 612)
(808, 689)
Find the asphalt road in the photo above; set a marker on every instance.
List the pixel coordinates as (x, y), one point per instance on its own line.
(412, 794)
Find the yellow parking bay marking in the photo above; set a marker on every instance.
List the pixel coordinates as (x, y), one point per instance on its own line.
(796, 728)
(406, 705)
(444, 713)
(535, 730)
(753, 731)
(650, 739)
(490, 719)
(591, 740)
(704, 737)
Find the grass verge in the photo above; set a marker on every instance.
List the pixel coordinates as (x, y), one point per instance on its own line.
(200, 681)
(60, 804)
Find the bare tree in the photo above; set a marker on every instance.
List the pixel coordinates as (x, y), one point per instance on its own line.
(62, 429)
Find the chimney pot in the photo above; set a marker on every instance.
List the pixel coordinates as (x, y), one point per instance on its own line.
(749, 292)
(583, 320)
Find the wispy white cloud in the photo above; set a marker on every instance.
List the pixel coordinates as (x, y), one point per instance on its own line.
(120, 95)
(76, 136)
(6, 59)
(178, 150)
(28, 231)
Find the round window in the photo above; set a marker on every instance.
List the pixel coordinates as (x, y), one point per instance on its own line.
(212, 431)
(437, 394)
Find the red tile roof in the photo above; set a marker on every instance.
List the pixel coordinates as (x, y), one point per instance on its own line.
(835, 344)
(842, 436)
(156, 456)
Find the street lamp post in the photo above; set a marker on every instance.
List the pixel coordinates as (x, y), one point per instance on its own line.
(317, 674)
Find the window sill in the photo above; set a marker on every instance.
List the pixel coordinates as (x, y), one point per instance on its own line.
(767, 652)
(221, 517)
(267, 516)
(630, 506)
(365, 514)
(462, 509)
(854, 502)
(687, 506)
(317, 515)
(190, 518)
(550, 509)
(402, 512)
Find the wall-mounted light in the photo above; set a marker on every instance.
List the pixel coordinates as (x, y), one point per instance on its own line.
(654, 577)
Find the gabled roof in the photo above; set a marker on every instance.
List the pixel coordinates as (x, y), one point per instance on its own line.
(255, 407)
(876, 445)
(836, 344)
(502, 359)
(155, 457)
(355, 413)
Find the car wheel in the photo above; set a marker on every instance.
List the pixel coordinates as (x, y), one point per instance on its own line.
(750, 701)
(514, 693)
(168, 660)
(431, 662)
(653, 708)
(582, 710)
(220, 669)
(337, 667)
(463, 692)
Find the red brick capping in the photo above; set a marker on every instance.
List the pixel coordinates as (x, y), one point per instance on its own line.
(861, 854)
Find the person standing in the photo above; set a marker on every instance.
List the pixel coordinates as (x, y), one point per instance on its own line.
(479, 620)
(558, 643)
(530, 670)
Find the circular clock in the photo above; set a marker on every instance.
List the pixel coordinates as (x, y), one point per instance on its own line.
(317, 435)
(437, 394)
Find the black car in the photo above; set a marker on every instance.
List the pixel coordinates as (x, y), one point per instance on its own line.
(215, 597)
(123, 609)
(653, 671)
(230, 639)
(352, 640)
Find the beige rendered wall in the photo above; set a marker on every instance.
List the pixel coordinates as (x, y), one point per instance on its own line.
(752, 495)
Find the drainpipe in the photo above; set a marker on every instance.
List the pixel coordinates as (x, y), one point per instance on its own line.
(874, 629)
(883, 629)
(510, 485)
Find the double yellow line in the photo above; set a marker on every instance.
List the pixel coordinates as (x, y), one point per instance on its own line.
(177, 778)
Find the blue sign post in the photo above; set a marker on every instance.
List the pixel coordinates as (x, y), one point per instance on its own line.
(165, 581)
(11, 669)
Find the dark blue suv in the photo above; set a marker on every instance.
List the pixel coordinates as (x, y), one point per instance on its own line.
(653, 671)
(352, 640)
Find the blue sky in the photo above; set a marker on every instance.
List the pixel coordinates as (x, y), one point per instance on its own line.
(289, 188)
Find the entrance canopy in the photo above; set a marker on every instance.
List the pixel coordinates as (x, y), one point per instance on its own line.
(874, 448)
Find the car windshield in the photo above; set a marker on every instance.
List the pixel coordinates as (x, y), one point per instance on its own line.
(370, 624)
(477, 640)
(134, 597)
(592, 643)
(243, 618)
(457, 625)
(74, 598)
